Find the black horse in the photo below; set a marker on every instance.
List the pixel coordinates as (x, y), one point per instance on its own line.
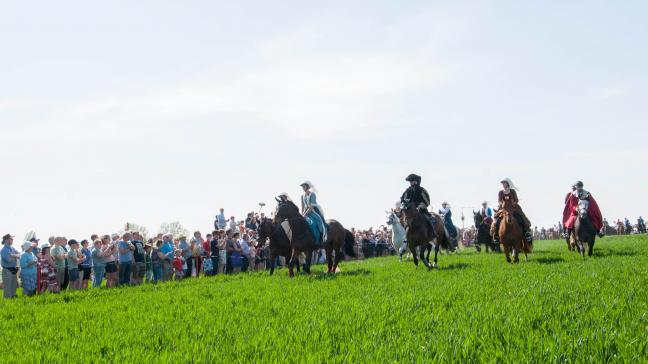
(483, 235)
(278, 241)
(584, 229)
(303, 241)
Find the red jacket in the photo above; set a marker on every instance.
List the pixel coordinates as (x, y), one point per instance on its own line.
(570, 213)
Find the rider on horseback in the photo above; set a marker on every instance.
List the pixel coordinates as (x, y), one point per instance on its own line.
(312, 211)
(418, 196)
(486, 213)
(508, 193)
(446, 213)
(570, 213)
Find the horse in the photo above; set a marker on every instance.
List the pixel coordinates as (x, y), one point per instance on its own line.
(278, 240)
(483, 235)
(512, 235)
(302, 240)
(420, 234)
(584, 229)
(398, 235)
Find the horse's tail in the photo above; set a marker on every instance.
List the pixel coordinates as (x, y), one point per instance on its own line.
(349, 244)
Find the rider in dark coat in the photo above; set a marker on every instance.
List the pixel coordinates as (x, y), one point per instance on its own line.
(418, 196)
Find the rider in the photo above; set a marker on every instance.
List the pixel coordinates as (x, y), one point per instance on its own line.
(571, 210)
(447, 218)
(508, 193)
(418, 196)
(313, 211)
(486, 213)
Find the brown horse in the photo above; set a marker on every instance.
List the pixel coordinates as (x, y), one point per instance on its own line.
(512, 235)
(420, 234)
(302, 240)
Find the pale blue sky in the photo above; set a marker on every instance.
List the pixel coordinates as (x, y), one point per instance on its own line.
(155, 111)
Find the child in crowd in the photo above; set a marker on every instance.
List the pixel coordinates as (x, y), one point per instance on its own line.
(179, 265)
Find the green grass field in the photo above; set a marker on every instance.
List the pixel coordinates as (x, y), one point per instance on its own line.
(476, 308)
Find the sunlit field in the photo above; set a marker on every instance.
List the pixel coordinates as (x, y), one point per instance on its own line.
(558, 307)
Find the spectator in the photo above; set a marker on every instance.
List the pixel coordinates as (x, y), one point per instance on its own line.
(47, 270)
(235, 253)
(139, 262)
(214, 251)
(10, 257)
(98, 263)
(232, 223)
(125, 248)
(222, 252)
(179, 265)
(197, 251)
(74, 258)
(187, 256)
(245, 253)
(59, 254)
(148, 264)
(109, 249)
(221, 222)
(85, 268)
(167, 249)
(28, 269)
(157, 257)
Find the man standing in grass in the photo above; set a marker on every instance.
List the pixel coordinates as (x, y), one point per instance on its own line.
(59, 255)
(125, 248)
(167, 250)
(139, 265)
(10, 257)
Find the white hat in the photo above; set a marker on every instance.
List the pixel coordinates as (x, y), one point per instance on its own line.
(46, 245)
(26, 245)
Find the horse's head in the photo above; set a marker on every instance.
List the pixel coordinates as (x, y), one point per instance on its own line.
(264, 230)
(391, 217)
(583, 207)
(286, 209)
(477, 217)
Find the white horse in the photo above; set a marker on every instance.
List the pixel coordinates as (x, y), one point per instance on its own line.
(398, 234)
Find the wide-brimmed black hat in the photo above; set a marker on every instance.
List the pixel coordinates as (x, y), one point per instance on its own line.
(413, 177)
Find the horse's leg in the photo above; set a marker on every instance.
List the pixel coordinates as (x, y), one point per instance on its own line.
(293, 260)
(422, 252)
(307, 262)
(329, 259)
(591, 246)
(507, 253)
(436, 254)
(338, 258)
(412, 249)
(273, 261)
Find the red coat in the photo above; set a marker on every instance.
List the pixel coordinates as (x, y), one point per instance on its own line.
(570, 213)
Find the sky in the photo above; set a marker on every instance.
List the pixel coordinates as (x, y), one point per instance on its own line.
(162, 111)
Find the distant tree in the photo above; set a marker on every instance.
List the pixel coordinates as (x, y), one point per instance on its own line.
(132, 227)
(174, 228)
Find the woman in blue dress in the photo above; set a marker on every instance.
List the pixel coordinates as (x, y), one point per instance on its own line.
(313, 211)
(447, 219)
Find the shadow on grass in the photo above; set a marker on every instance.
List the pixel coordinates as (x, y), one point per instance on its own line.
(351, 273)
(457, 266)
(613, 253)
(549, 260)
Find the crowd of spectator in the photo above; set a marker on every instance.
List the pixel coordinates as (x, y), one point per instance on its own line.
(129, 258)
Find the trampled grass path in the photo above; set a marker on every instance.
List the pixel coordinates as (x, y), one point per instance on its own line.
(476, 308)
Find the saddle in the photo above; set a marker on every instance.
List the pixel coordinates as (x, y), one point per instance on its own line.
(291, 225)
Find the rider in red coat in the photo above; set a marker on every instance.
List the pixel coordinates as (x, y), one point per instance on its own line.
(570, 213)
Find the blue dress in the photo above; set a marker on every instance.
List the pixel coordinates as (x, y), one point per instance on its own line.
(315, 218)
(447, 221)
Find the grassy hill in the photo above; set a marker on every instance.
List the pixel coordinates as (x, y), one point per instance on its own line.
(556, 308)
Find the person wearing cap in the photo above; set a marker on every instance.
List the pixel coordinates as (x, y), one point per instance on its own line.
(10, 257)
(28, 269)
(312, 211)
(570, 212)
(508, 193)
(446, 213)
(420, 197)
(74, 258)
